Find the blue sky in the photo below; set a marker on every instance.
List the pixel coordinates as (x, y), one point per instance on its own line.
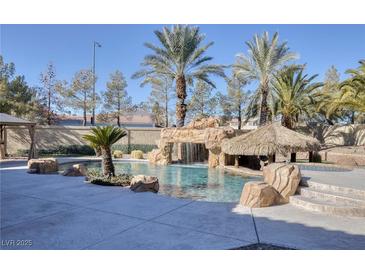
(69, 47)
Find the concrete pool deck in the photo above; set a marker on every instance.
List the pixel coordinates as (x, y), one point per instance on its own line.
(56, 212)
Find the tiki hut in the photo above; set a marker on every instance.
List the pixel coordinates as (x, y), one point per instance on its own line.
(270, 140)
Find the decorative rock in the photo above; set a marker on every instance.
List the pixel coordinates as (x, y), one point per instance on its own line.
(142, 183)
(202, 123)
(285, 178)
(76, 170)
(43, 166)
(259, 194)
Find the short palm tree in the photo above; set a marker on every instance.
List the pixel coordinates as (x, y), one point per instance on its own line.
(264, 58)
(292, 91)
(182, 58)
(104, 138)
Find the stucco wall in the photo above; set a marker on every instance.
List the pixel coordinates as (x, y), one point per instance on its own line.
(48, 137)
(52, 136)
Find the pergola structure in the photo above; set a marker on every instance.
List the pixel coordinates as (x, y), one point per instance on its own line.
(8, 120)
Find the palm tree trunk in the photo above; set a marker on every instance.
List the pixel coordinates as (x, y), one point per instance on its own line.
(180, 104)
(107, 162)
(239, 117)
(166, 110)
(287, 122)
(84, 122)
(264, 109)
(49, 108)
(118, 120)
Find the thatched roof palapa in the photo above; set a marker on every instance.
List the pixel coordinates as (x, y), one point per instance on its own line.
(269, 140)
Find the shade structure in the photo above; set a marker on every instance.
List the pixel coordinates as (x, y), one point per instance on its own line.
(8, 120)
(269, 140)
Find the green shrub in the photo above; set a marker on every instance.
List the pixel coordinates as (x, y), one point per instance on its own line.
(137, 154)
(61, 150)
(118, 154)
(127, 149)
(97, 178)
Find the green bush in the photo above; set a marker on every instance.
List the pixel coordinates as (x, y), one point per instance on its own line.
(61, 150)
(118, 154)
(97, 178)
(137, 154)
(128, 149)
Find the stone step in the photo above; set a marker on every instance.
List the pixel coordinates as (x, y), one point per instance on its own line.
(327, 207)
(345, 191)
(332, 197)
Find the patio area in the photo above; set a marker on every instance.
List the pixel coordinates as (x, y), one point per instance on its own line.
(56, 212)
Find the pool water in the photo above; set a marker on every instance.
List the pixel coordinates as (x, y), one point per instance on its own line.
(195, 182)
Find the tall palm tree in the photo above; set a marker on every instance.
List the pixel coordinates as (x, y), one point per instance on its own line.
(104, 138)
(292, 91)
(264, 58)
(181, 57)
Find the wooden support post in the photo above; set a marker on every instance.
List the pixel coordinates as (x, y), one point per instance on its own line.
(271, 158)
(236, 163)
(293, 157)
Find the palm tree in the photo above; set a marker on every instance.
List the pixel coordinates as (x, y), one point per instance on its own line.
(352, 93)
(182, 58)
(292, 93)
(104, 138)
(264, 58)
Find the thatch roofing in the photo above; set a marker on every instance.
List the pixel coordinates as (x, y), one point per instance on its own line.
(6, 119)
(268, 140)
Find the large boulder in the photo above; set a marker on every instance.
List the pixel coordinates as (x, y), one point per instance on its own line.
(285, 178)
(76, 170)
(142, 183)
(43, 166)
(259, 194)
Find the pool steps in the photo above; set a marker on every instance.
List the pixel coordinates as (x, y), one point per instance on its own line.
(330, 199)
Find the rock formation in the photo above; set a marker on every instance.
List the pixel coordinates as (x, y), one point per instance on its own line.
(259, 194)
(43, 166)
(285, 178)
(142, 183)
(76, 170)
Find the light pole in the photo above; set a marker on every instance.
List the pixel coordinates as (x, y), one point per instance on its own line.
(96, 44)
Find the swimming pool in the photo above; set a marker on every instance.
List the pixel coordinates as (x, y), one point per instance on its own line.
(195, 182)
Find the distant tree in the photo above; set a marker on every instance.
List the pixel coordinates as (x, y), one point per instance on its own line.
(116, 99)
(48, 91)
(182, 58)
(324, 96)
(160, 97)
(78, 94)
(17, 97)
(202, 103)
(234, 102)
(264, 58)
